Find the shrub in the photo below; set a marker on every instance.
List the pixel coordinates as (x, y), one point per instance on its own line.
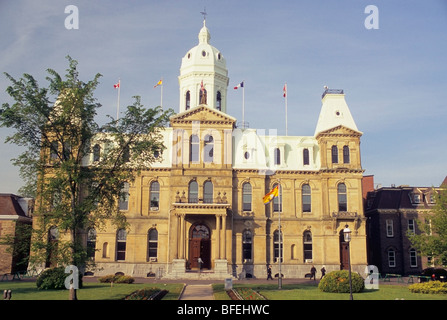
(116, 279)
(338, 281)
(146, 294)
(54, 278)
(434, 287)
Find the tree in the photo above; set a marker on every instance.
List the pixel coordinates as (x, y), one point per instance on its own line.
(76, 167)
(432, 241)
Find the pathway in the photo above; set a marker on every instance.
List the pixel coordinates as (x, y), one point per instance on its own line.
(197, 292)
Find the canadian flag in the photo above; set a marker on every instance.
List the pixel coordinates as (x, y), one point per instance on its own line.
(116, 85)
(284, 90)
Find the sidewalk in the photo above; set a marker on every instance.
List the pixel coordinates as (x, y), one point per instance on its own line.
(197, 292)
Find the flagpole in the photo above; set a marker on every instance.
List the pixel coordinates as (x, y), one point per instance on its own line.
(161, 94)
(118, 103)
(280, 234)
(285, 96)
(243, 104)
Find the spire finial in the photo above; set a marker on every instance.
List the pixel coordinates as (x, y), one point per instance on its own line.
(204, 15)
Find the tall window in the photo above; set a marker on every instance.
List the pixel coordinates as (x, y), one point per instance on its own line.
(208, 149)
(152, 244)
(96, 152)
(208, 192)
(413, 258)
(277, 246)
(121, 238)
(391, 258)
(219, 101)
(334, 154)
(247, 243)
(277, 201)
(193, 192)
(124, 197)
(389, 228)
(54, 149)
(246, 197)
(346, 154)
(305, 156)
(194, 149)
(411, 226)
(307, 245)
(91, 243)
(188, 100)
(154, 195)
(342, 197)
(277, 156)
(306, 198)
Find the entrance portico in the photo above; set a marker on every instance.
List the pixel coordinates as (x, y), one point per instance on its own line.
(200, 231)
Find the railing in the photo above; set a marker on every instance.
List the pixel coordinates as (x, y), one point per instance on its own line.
(332, 91)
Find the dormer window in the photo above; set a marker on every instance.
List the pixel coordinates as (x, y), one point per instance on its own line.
(416, 198)
(305, 156)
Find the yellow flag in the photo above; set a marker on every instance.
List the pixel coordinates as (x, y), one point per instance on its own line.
(272, 194)
(159, 83)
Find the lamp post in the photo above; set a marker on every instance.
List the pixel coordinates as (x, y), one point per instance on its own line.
(347, 236)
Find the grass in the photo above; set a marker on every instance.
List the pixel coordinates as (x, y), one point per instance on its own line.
(311, 292)
(27, 290)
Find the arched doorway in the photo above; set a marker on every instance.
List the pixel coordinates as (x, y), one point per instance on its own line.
(199, 246)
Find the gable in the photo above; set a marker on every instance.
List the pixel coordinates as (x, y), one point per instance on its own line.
(340, 131)
(203, 114)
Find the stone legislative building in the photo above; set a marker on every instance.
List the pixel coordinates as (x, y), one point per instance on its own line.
(203, 198)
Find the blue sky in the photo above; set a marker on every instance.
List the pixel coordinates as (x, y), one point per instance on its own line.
(394, 77)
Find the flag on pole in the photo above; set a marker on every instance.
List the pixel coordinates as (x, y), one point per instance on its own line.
(116, 86)
(271, 195)
(159, 83)
(284, 90)
(240, 85)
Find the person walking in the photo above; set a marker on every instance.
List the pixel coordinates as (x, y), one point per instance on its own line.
(313, 272)
(323, 272)
(269, 272)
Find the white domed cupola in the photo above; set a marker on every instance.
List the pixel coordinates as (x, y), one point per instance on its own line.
(203, 76)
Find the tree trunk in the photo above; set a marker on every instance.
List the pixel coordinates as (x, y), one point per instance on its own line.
(72, 294)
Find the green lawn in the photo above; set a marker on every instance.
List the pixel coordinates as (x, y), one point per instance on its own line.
(311, 292)
(27, 290)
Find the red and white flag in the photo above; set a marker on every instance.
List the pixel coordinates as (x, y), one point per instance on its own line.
(116, 86)
(285, 90)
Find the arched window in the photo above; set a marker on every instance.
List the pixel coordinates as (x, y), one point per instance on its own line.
(154, 195)
(218, 101)
(306, 198)
(121, 238)
(334, 154)
(96, 152)
(202, 96)
(342, 197)
(247, 245)
(194, 149)
(246, 197)
(277, 246)
(277, 201)
(346, 154)
(91, 243)
(208, 149)
(105, 250)
(305, 156)
(277, 156)
(193, 192)
(307, 245)
(208, 192)
(53, 240)
(124, 197)
(152, 244)
(188, 100)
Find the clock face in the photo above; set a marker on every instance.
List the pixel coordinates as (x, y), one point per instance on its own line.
(200, 231)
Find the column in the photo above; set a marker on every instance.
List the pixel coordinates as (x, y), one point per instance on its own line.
(217, 236)
(224, 237)
(182, 236)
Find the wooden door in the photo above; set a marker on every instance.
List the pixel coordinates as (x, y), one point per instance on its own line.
(344, 259)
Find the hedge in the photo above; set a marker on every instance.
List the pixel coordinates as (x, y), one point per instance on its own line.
(338, 282)
(434, 287)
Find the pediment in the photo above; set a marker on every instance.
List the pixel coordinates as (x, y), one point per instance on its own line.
(204, 114)
(342, 131)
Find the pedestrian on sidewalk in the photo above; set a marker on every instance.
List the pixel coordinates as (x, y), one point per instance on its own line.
(313, 272)
(269, 272)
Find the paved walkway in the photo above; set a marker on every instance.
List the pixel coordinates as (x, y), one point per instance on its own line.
(197, 292)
